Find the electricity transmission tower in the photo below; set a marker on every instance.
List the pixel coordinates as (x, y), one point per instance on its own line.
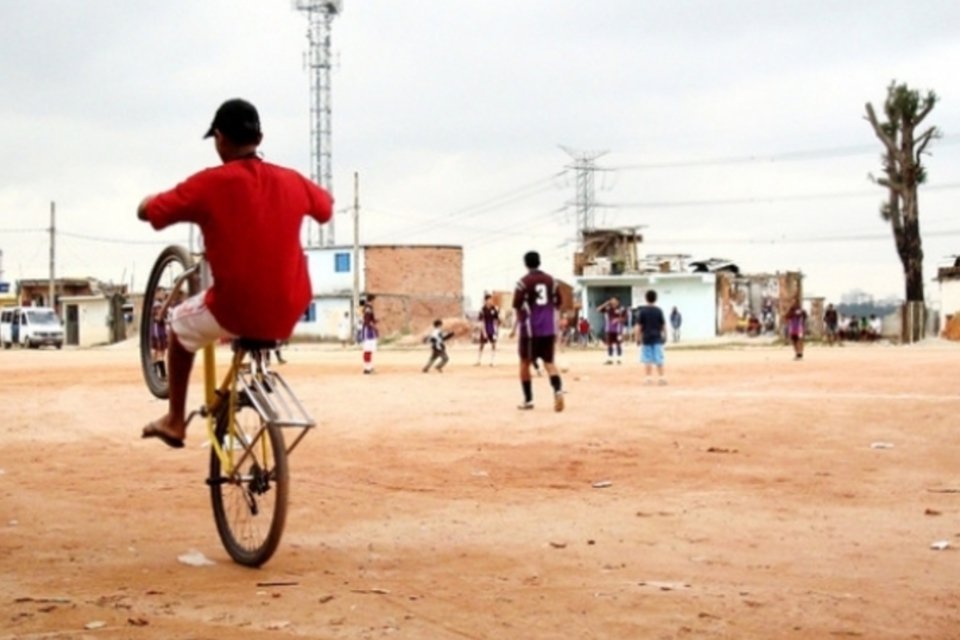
(320, 15)
(584, 163)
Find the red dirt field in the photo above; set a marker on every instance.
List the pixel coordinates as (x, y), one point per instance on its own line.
(745, 501)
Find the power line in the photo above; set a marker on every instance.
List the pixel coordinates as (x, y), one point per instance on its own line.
(786, 156)
(80, 236)
(511, 196)
(494, 201)
(799, 197)
(860, 237)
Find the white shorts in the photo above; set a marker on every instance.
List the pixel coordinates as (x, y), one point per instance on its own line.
(370, 344)
(194, 324)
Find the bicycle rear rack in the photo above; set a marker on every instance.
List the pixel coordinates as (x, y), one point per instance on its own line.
(269, 394)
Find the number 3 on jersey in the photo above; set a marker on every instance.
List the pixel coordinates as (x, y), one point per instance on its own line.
(541, 292)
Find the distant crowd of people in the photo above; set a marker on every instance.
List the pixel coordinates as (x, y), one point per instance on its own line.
(855, 328)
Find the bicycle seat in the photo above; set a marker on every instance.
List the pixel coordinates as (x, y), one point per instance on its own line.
(254, 344)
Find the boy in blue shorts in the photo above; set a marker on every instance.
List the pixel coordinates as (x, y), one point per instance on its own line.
(651, 333)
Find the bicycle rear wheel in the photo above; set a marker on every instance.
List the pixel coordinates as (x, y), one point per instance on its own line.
(169, 267)
(249, 504)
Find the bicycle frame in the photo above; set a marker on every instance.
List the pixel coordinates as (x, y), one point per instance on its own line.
(246, 415)
(266, 391)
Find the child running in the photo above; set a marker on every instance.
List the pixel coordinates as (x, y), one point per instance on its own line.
(438, 347)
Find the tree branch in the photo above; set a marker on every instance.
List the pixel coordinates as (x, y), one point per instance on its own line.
(927, 108)
(884, 138)
(924, 139)
(890, 184)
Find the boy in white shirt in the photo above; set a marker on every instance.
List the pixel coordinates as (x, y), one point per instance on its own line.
(438, 348)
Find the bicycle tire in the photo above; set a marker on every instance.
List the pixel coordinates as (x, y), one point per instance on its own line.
(170, 260)
(250, 506)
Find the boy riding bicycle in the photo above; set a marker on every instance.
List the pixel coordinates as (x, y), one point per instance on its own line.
(250, 213)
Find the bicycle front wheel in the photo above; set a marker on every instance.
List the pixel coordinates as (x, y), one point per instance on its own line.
(249, 503)
(166, 287)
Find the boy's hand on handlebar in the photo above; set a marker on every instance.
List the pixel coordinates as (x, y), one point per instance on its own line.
(142, 207)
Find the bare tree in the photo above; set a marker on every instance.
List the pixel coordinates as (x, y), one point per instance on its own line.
(904, 109)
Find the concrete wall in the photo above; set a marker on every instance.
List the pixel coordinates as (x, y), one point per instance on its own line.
(694, 295)
(93, 318)
(332, 291)
(323, 276)
(950, 296)
(327, 313)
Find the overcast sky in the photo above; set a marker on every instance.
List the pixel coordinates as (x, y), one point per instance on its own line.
(732, 128)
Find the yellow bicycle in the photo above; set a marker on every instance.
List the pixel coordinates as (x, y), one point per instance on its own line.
(246, 413)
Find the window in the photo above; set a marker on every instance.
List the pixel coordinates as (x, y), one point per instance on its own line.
(341, 262)
(310, 314)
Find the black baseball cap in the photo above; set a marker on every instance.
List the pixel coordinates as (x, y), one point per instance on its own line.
(238, 120)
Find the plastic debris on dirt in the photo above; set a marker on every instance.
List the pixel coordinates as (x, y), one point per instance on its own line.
(194, 558)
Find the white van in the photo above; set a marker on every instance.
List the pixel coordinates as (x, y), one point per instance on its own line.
(31, 327)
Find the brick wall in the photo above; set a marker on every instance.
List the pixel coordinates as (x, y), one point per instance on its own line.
(414, 285)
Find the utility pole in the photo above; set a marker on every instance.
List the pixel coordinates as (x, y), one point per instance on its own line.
(356, 250)
(584, 163)
(53, 261)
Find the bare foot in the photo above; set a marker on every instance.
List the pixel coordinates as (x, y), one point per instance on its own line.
(165, 431)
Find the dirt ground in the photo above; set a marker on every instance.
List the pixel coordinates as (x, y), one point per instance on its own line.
(752, 497)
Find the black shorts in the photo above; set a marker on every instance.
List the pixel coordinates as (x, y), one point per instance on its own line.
(537, 347)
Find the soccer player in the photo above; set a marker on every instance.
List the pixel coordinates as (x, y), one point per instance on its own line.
(368, 334)
(536, 300)
(158, 336)
(613, 329)
(489, 318)
(796, 327)
(831, 321)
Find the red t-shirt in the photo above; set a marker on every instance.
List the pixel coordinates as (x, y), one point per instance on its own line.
(250, 213)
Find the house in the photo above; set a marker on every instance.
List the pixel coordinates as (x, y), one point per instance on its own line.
(949, 279)
(693, 294)
(412, 284)
(712, 295)
(95, 319)
(92, 310)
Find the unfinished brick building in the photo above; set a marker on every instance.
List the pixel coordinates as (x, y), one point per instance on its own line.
(414, 285)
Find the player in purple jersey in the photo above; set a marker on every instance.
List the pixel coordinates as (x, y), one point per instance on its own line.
(613, 322)
(368, 333)
(489, 318)
(796, 328)
(536, 300)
